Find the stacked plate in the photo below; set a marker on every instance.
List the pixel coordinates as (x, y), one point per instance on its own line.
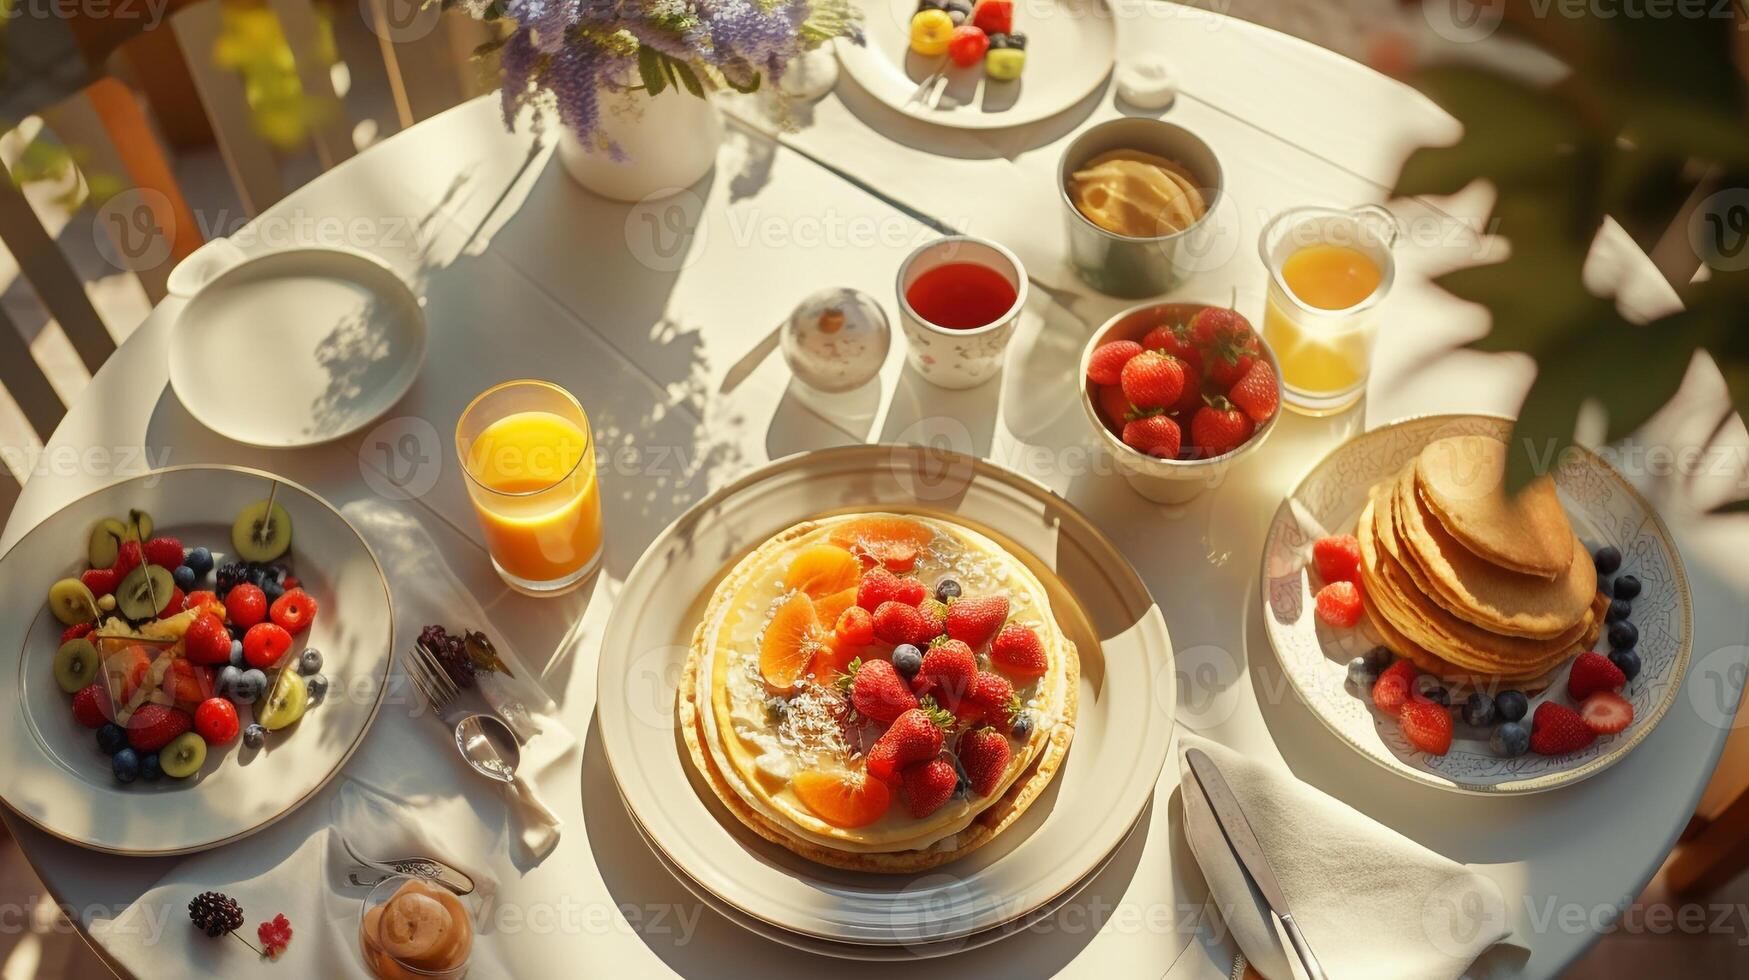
(1122, 734)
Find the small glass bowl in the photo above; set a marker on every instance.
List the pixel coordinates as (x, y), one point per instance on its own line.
(385, 965)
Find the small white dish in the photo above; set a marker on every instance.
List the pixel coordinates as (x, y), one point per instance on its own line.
(292, 348)
(1071, 45)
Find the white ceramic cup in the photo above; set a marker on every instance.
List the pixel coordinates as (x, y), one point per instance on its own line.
(959, 358)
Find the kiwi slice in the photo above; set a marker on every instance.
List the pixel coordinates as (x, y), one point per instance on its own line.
(183, 757)
(262, 532)
(285, 703)
(75, 665)
(72, 602)
(145, 591)
(139, 527)
(105, 543)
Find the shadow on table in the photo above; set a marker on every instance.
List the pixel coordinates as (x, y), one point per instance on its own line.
(987, 144)
(963, 420)
(806, 419)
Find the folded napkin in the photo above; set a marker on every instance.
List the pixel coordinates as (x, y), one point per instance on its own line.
(427, 592)
(1370, 902)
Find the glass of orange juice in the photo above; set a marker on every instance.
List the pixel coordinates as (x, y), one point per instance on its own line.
(530, 462)
(1329, 269)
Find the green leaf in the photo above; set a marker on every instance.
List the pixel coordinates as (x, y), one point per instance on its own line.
(746, 89)
(650, 69)
(688, 78)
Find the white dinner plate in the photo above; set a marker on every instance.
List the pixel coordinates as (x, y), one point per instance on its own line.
(1122, 730)
(292, 348)
(54, 775)
(1604, 509)
(1071, 45)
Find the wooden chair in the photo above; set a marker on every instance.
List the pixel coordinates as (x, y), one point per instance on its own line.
(116, 123)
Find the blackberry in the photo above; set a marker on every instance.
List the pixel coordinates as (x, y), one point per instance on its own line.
(215, 913)
(452, 654)
(231, 575)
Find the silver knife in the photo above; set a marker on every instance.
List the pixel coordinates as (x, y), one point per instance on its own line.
(1231, 817)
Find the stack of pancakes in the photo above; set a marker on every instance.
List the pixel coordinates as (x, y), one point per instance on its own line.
(1483, 591)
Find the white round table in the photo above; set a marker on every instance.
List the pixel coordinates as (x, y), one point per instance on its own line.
(649, 314)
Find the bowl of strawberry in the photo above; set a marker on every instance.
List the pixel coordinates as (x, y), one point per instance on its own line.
(1179, 392)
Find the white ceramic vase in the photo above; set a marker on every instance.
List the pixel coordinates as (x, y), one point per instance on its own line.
(669, 141)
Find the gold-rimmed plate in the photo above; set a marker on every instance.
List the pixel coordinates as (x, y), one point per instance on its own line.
(56, 778)
(1604, 509)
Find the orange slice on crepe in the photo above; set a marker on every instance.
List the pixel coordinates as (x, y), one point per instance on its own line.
(822, 569)
(841, 797)
(791, 640)
(890, 541)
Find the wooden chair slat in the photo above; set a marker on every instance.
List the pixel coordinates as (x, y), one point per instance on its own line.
(423, 76)
(24, 380)
(251, 162)
(49, 272)
(329, 129)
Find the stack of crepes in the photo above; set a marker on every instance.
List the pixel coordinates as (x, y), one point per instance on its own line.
(1481, 590)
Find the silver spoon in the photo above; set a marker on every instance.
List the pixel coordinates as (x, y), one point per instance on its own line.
(490, 747)
(418, 867)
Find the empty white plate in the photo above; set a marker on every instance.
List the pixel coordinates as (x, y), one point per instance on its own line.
(295, 347)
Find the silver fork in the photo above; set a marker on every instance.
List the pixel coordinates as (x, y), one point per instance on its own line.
(433, 681)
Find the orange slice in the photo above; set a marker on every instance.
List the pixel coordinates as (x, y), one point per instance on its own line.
(891, 541)
(833, 606)
(822, 569)
(791, 639)
(842, 798)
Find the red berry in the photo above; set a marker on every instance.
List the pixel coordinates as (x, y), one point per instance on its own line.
(1018, 652)
(984, 755)
(275, 936)
(879, 693)
(1427, 726)
(165, 552)
(1557, 730)
(910, 592)
(1256, 392)
(1174, 339)
(207, 642)
(92, 707)
(1114, 408)
(991, 699)
(1155, 435)
(1606, 713)
(246, 605)
(1337, 558)
(855, 627)
(1215, 327)
(127, 558)
(75, 631)
(897, 623)
(153, 725)
(934, 614)
(174, 606)
(928, 785)
(295, 610)
(1218, 428)
(877, 586)
(948, 670)
(265, 644)
(1227, 366)
(1340, 604)
(1593, 672)
(967, 45)
(1391, 691)
(216, 721)
(204, 599)
(101, 581)
(1106, 364)
(1153, 380)
(973, 620)
(914, 736)
(994, 16)
(187, 683)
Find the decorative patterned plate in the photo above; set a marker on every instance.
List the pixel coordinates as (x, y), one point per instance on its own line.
(1123, 727)
(1604, 509)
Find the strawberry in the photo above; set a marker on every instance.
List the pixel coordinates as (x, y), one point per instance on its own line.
(1606, 713)
(1114, 407)
(991, 699)
(1427, 726)
(897, 623)
(910, 591)
(1339, 604)
(1227, 366)
(153, 725)
(75, 631)
(1108, 360)
(1219, 428)
(877, 586)
(1155, 435)
(127, 558)
(1391, 691)
(165, 552)
(295, 610)
(174, 606)
(101, 581)
(1190, 402)
(1557, 729)
(1018, 651)
(1215, 328)
(205, 600)
(1593, 672)
(92, 707)
(187, 684)
(877, 691)
(1153, 380)
(246, 605)
(855, 627)
(1256, 392)
(1174, 340)
(934, 613)
(984, 755)
(973, 620)
(947, 673)
(215, 719)
(207, 642)
(265, 644)
(1337, 558)
(914, 736)
(927, 785)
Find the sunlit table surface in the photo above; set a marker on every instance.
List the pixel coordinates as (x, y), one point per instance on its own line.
(644, 311)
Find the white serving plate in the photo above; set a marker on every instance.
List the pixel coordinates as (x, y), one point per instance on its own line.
(1123, 729)
(57, 779)
(1604, 509)
(1071, 46)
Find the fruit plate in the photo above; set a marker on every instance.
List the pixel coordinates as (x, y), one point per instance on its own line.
(1070, 49)
(1604, 509)
(56, 778)
(1122, 729)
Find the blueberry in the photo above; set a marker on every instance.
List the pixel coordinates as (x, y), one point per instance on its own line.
(310, 661)
(1023, 726)
(1427, 686)
(277, 573)
(1017, 40)
(150, 769)
(256, 575)
(230, 679)
(250, 686)
(947, 589)
(1511, 705)
(1361, 673)
(126, 766)
(998, 40)
(254, 736)
(1510, 740)
(183, 577)
(111, 738)
(237, 660)
(1627, 587)
(1479, 710)
(200, 559)
(317, 687)
(1623, 635)
(1380, 657)
(1627, 661)
(272, 590)
(1607, 560)
(907, 660)
(236, 632)
(1619, 609)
